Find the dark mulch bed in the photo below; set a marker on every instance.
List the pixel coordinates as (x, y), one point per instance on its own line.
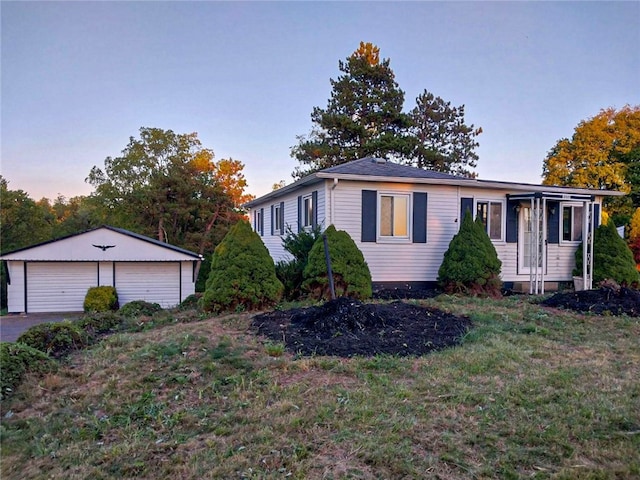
(405, 293)
(345, 327)
(607, 301)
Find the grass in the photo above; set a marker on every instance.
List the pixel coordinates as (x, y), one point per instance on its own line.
(531, 393)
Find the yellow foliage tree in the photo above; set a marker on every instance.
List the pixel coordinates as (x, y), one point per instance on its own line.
(634, 226)
(592, 157)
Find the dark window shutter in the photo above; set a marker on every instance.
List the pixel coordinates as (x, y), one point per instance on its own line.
(273, 221)
(299, 213)
(262, 221)
(553, 222)
(466, 203)
(314, 204)
(281, 226)
(596, 215)
(255, 220)
(419, 217)
(512, 221)
(369, 215)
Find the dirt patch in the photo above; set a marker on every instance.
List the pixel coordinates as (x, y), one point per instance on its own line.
(602, 301)
(345, 327)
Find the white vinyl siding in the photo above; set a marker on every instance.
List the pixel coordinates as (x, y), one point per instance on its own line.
(391, 262)
(15, 287)
(340, 204)
(155, 282)
(290, 217)
(59, 287)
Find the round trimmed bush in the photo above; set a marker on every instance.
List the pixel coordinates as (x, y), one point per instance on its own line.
(471, 264)
(56, 339)
(242, 275)
(139, 308)
(612, 257)
(100, 299)
(351, 275)
(17, 360)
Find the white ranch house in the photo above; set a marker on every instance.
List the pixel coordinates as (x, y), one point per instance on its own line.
(55, 276)
(402, 218)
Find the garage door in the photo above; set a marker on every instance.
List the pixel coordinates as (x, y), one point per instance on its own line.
(58, 286)
(156, 282)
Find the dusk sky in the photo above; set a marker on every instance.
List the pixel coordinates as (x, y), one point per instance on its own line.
(80, 78)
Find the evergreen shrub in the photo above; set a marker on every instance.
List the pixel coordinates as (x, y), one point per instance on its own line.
(291, 272)
(98, 323)
(100, 299)
(139, 308)
(191, 302)
(612, 258)
(18, 360)
(351, 274)
(243, 275)
(471, 264)
(55, 339)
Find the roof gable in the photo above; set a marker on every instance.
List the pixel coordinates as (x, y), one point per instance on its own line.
(102, 244)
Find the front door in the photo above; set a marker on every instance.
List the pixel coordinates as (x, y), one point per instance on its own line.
(527, 240)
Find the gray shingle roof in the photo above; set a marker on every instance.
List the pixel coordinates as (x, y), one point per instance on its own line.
(380, 168)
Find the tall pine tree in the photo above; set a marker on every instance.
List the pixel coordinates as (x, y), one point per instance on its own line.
(363, 117)
(444, 142)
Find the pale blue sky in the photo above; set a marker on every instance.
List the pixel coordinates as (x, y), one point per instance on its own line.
(80, 78)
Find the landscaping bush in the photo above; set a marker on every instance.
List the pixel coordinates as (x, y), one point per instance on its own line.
(612, 258)
(56, 339)
(99, 323)
(138, 308)
(242, 273)
(17, 360)
(100, 299)
(471, 264)
(351, 274)
(291, 272)
(191, 302)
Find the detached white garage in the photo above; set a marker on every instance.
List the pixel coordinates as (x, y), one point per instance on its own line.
(55, 276)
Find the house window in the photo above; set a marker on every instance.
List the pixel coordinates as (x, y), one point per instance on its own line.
(393, 220)
(258, 221)
(277, 219)
(572, 223)
(308, 213)
(491, 215)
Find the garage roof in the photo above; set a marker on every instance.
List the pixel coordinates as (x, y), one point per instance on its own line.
(104, 243)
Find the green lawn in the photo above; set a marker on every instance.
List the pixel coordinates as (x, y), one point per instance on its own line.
(531, 393)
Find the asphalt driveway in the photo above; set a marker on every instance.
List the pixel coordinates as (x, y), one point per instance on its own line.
(12, 325)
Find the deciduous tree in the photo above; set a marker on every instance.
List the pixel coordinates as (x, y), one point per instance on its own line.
(23, 222)
(167, 185)
(596, 156)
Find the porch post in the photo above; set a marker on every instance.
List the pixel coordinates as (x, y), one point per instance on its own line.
(543, 243)
(587, 245)
(531, 243)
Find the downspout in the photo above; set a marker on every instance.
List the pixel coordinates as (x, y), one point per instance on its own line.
(332, 203)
